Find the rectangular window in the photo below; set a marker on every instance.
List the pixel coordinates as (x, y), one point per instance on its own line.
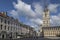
(8, 28)
(44, 22)
(1, 20)
(1, 27)
(5, 27)
(14, 28)
(8, 22)
(5, 21)
(11, 28)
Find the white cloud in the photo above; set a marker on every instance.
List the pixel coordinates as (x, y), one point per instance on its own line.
(37, 21)
(14, 14)
(22, 6)
(55, 20)
(34, 17)
(24, 9)
(53, 7)
(38, 9)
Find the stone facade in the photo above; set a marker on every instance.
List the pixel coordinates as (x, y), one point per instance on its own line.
(12, 28)
(46, 18)
(51, 31)
(8, 26)
(28, 31)
(46, 30)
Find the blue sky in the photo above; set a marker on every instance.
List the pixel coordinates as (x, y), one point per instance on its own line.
(6, 5)
(30, 11)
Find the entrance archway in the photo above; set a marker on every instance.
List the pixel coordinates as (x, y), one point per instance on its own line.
(3, 34)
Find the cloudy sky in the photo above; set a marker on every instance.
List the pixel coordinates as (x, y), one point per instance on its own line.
(30, 11)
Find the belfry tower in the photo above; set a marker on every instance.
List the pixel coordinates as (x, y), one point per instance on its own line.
(46, 16)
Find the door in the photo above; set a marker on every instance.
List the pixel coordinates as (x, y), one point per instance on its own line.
(3, 36)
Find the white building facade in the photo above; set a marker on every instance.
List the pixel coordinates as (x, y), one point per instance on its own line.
(9, 27)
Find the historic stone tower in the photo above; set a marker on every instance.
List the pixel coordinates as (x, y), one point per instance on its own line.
(46, 17)
(46, 21)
